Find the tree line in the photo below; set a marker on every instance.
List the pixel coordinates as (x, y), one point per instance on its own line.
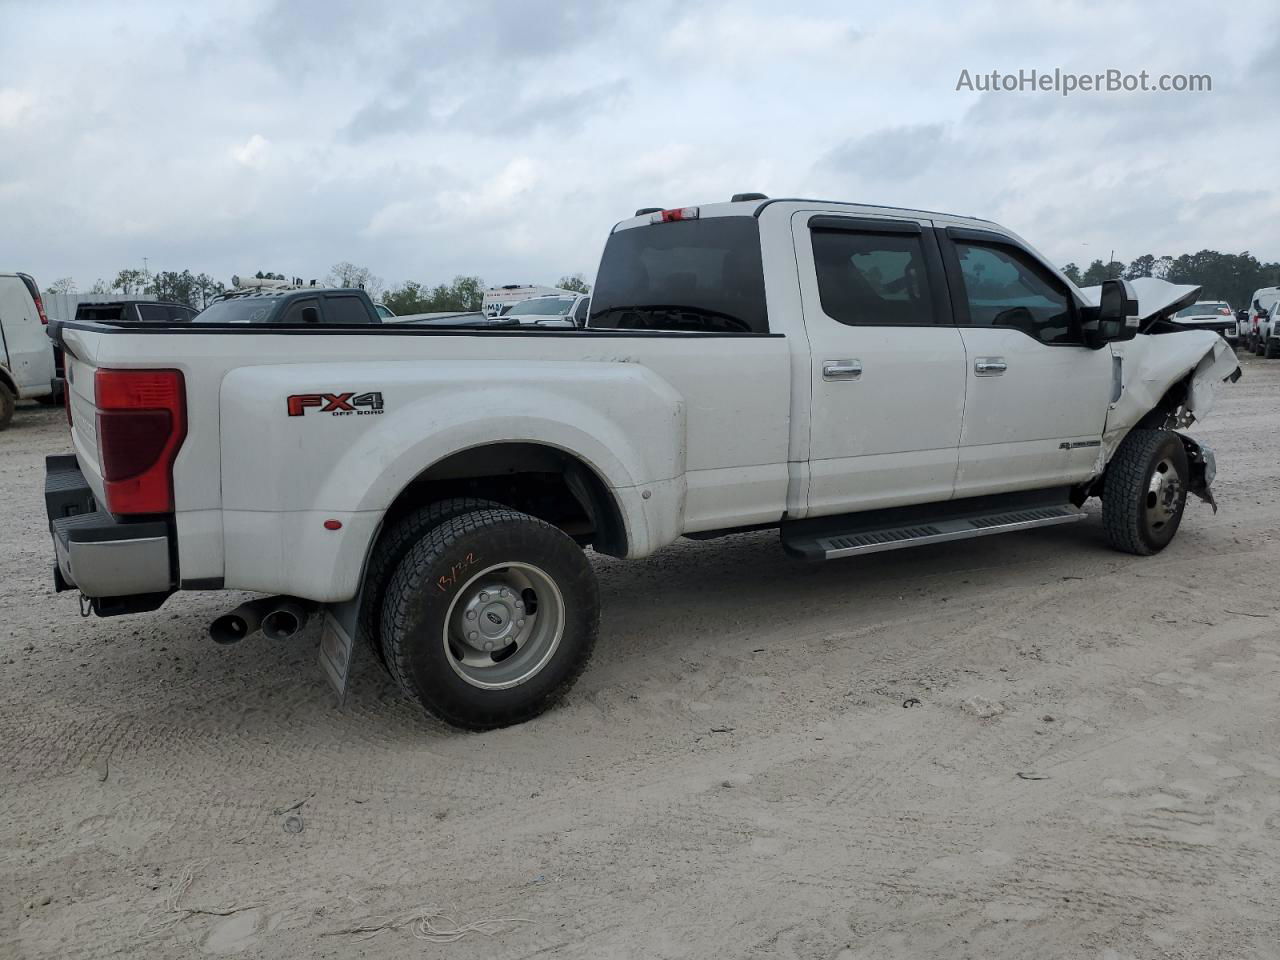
(1222, 276)
(462, 294)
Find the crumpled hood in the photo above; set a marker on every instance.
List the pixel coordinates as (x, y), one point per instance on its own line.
(1156, 298)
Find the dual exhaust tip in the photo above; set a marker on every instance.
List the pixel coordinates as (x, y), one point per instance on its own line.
(277, 617)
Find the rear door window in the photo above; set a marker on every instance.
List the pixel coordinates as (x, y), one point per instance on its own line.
(877, 279)
(345, 309)
(694, 275)
(153, 313)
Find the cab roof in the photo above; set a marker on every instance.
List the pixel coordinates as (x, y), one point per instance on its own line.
(754, 207)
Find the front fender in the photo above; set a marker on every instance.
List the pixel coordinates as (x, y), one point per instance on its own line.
(1150, 364)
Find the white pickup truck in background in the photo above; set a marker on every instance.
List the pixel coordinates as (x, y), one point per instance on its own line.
(861, 378)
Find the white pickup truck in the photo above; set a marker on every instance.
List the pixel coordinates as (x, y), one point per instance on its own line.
(860, 378)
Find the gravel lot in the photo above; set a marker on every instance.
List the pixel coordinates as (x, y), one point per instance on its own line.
(735, 775)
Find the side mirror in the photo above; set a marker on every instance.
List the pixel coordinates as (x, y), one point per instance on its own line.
(1116, 316)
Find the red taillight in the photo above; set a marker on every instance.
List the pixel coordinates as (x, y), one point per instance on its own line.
(142, 421)
(679, 213)
(40, 308)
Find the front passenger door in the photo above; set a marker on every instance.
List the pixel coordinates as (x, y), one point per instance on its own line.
(1036, 397)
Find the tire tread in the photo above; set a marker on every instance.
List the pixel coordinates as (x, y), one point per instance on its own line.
(416, 567)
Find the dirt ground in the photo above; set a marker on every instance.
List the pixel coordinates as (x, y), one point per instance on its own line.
(735, 775)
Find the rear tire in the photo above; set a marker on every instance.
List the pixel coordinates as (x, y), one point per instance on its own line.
(1145, 492)
(393, 544)
(490, 618)
(1271, 350)
(7, 404)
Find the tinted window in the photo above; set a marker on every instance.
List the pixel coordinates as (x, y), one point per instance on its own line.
(345, 310)
(306, 310)
(100, 313)
(383, 311)
(1204, 309)
(180, 314)
(687, 275)
(239, 310)
(1005, 289)
(580, 312)
(868, 278)
(153, 313)
(542, 307)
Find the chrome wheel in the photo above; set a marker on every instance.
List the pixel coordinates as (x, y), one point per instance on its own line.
(1164, 495)
(504, 625)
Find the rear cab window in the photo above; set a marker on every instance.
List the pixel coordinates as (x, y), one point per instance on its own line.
(239, 310)
(687, 275)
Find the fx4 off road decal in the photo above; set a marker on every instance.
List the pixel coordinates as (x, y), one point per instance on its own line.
(336, 404)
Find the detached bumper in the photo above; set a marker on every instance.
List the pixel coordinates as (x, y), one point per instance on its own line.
(121, 567)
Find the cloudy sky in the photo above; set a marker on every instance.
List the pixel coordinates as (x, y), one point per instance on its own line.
(504, 139)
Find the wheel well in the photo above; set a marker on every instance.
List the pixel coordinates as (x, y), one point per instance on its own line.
(533, 478)
(1165, 414)
(8, 381)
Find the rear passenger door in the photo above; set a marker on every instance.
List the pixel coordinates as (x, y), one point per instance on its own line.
(887, 366)
(1036, 397)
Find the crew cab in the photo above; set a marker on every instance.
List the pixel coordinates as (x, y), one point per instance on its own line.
(287, 304)
(134, 311)
(859, 378)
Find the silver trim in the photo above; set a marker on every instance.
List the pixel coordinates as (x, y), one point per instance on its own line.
(895, 538)
(115, 568)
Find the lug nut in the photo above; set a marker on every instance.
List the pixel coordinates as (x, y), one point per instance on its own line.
(484, 596)
(519, 623)
(472, 635)
(471, 614)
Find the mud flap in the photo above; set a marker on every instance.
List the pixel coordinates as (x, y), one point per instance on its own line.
(1203, 467)
(337, 644)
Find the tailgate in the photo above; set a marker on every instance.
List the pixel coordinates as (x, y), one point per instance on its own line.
(84, 420)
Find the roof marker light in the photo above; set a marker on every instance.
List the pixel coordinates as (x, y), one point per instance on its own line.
(679, 213)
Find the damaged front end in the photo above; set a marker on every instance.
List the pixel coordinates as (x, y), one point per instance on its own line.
(1167, 377)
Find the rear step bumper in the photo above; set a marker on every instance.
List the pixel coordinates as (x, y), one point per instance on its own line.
(847, 537)
(118, 565)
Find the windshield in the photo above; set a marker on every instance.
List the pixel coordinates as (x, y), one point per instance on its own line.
(239, 310)
(697, 275)
(542, 307)
(1204, 309)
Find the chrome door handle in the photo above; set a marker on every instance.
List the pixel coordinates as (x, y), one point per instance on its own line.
(841, 369)
(989, 366)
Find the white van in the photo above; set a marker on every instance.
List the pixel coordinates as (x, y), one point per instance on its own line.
(26, 354)
(1259, 307)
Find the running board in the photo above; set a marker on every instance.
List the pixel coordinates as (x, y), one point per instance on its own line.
(876, 539)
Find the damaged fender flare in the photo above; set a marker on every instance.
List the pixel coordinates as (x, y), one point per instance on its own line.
(1203, 467)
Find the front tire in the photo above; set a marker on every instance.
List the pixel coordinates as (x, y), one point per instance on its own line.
(490, 618)
(1145, 492)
